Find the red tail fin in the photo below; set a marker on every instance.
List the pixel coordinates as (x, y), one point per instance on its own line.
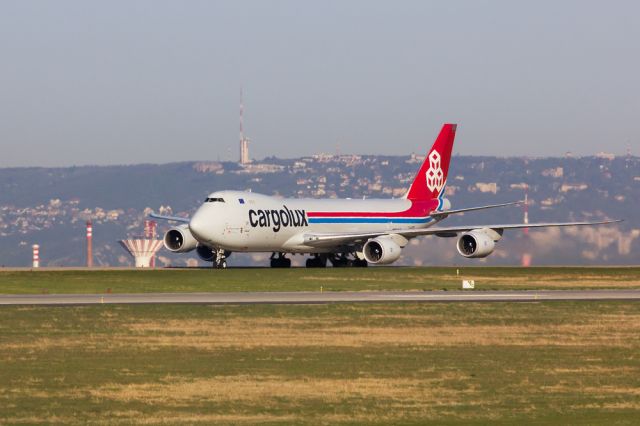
(432, 176)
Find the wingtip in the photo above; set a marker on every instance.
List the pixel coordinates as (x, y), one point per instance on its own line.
(608, 222)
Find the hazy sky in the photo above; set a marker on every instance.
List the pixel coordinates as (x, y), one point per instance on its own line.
(87, 82)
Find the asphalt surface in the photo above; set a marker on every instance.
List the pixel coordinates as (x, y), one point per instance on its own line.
(317, 297)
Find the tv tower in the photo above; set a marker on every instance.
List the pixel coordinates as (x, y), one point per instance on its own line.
(244, 142)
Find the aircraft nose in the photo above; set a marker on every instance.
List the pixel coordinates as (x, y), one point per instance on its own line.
(198, 226)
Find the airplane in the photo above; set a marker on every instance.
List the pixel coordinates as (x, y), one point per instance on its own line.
(344, 232)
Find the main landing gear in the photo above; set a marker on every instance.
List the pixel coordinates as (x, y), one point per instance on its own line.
(317, 261)
(278, 260)
(344, 261)
(337, 260)
(360, 263)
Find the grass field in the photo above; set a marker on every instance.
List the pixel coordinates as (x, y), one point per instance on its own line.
(476, 363)
(336, 279)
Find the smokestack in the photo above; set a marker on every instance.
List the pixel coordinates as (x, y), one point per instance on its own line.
(89, 244)
(36, 256)
(526, 210)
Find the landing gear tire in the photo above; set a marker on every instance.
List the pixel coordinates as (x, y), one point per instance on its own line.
(222, 264)
(279, 261)
(341, 261)
(360, 263)
(316, 262)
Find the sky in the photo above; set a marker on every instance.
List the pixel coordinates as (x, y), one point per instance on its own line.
(125, 82)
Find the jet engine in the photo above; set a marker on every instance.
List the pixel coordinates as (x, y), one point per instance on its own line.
(381, 250)
(205, 253)
(179, 239)
(476, 243)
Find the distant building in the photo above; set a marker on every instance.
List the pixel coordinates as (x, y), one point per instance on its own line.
(556, 172)
(606, 155)
(209, 167)
(573, 187)
(450, 190)
(491, 187)
(260, 168)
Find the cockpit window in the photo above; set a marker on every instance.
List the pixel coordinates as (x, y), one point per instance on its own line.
(214, 200)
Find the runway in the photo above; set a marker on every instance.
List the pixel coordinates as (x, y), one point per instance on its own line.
(317, 297)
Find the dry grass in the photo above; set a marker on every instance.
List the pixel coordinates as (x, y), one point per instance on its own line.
(319, 364)
(289, 332)
(266, 389)
(247, 333)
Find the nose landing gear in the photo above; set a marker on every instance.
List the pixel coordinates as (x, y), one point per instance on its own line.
(220, 261)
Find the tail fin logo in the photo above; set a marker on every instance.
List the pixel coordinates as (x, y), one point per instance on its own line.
(435, 176)
(432, 175)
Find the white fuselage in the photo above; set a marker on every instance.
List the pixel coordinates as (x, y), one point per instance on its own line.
(249, 222)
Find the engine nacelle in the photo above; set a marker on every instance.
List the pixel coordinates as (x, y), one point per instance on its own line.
(381, 251)
(179, 239)
(476, 243)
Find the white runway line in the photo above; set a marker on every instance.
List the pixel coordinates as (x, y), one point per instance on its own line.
(447, 296)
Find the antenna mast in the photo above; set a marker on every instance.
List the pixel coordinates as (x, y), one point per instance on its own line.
(244, 142)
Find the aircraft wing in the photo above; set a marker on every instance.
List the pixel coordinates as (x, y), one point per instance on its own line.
(445, 213)
(331, 239)
(170, 218)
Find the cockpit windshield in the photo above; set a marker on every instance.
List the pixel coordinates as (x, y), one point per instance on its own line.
(214, 200)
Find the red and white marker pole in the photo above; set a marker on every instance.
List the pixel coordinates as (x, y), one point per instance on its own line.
(36, 256)
(89, 244)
